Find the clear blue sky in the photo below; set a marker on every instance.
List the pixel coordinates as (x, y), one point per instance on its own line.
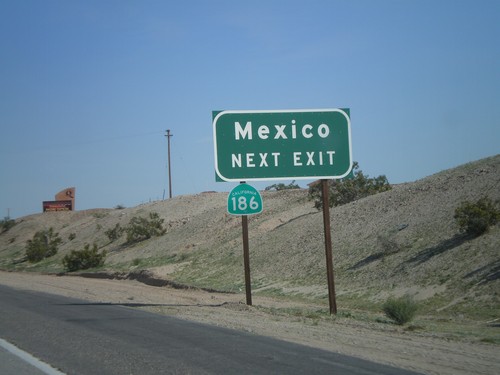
(88, 88)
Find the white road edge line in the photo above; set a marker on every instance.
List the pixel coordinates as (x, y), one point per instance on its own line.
(42, 366)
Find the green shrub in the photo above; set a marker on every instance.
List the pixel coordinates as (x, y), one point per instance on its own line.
(282, 186)
(6, 224)
(84, 259)
(389, 245)
(140, 228)
(136, 262)
(72, 236)
(114, 233)
(43, 245)
(356, 186)
(401, 310)
(474, 218)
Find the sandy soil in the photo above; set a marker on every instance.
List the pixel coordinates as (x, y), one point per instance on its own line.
(377, 342)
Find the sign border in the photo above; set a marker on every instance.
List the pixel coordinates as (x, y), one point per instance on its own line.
(225, 179)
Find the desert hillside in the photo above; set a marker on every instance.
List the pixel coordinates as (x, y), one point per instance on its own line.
(403, 241)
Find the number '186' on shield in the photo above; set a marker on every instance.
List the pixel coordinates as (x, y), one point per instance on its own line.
(244, 200)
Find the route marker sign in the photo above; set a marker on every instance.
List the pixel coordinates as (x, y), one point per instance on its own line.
(244, 200)
(282, 144)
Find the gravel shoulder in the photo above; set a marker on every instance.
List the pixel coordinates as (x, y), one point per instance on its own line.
(376, 342)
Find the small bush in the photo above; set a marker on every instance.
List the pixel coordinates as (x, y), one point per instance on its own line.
(401, 310)
(114, 233)
(72, 236)
(346, 190)
(282, 186)
(389, 246)
(136, 262)
(84, 259)
(43, 245)
(141, 228)
(474, 218)
(6, 224)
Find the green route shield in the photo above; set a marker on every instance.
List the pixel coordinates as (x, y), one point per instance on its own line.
(244, 200)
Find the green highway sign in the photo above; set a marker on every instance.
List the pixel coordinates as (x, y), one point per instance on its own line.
(244, 200)
(282, 144)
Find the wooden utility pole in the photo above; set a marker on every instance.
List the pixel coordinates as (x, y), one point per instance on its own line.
(168, 135)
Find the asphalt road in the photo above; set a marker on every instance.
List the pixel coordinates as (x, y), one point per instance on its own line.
(78, 337)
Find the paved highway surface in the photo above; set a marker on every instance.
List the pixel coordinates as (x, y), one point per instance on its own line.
(80, 337)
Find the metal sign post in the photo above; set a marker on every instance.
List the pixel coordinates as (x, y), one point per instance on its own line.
(242, 201)
(246, 259)
(328, 247)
